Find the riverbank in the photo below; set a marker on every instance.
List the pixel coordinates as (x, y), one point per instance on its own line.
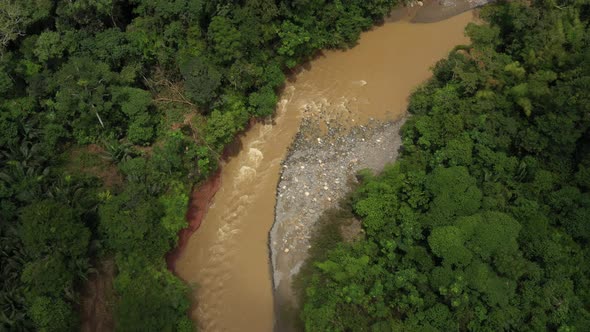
(228, 257)
(318, 171)
(198, 206)
(339, 137)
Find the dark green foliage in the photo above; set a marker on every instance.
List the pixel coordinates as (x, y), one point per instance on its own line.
(135, 104)
(482, 225)
(151, 300)
(202, 80)
(82, 90)
(130, 224)
(56, 244)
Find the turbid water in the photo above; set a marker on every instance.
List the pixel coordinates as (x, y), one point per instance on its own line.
(228, 257)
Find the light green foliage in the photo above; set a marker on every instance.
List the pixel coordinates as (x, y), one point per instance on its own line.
(133, 101)
(80, 89)
(202, 80)
(174, 203)
(376, 211)
(49, 46)
(222, 127)
(226, 39)
(491, 234)
(454, 194)
(483, 35)
(135, 105)
(293, 37)
(273, 76)
(457, 152)
(52, 315)
(263, 102)
(448, 242)
(16, 16)
(349, 26)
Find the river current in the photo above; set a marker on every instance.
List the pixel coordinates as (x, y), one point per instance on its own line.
(227, 259)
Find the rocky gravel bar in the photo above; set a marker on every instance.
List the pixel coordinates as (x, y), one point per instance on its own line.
(318, 171)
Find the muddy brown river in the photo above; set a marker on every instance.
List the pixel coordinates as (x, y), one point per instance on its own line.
(227, 259)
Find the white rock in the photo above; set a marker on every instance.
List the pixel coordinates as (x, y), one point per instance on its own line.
(325, 188)
(286, 250)
(420, 3)
(306, 193)
(302, 167)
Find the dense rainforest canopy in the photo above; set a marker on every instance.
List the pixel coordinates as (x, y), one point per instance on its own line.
(484, 222)
(109, 111)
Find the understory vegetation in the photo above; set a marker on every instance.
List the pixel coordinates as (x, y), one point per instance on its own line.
(483, 224)
(110, 110)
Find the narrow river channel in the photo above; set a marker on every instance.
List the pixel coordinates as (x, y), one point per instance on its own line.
(227, 259)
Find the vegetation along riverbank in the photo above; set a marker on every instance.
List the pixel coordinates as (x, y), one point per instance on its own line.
(109, 112)
(482, 223)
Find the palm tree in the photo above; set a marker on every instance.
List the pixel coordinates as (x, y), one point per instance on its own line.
(12, 301)
(118, 152)
(24, 169)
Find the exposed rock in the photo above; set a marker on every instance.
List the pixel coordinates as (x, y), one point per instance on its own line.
(315, 178)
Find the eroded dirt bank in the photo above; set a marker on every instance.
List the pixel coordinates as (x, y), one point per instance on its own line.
(198, 206)
(228, 257)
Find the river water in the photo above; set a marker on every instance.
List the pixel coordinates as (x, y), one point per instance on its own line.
(227, 259)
